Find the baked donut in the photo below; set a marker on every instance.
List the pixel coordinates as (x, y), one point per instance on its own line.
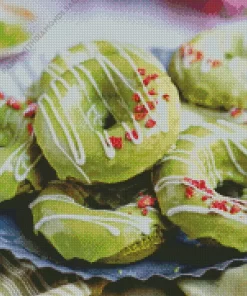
(109, 118)
(127, 234)
(20, 157)
(210, 70)
(206, 156)
(11, 35)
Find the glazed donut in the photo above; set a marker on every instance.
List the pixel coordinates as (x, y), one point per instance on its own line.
(20, 156)
(127, 234)
(11, 35)
(210, 70)
(185, 183)
(109, 118)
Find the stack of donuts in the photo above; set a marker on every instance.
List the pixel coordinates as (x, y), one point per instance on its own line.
(103, 114)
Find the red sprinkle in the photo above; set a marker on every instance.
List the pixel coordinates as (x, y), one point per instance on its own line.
(31, 110)
(150, 123)
(116, 142)
(147, 80)
(146, 201)
(136, 97)
(189, 192)
(154, 76)
(140, 116)
(14, 104)
(166, 97)
(30, 128)
(2, 96)
(235, 209)
(190, 51)
(140, 109)
(151, 105)
(205, 197)
(144, 212)
(220, 205)
(209, 191)
(134, 135)
(236, 112)
(202, 185)
(141, 71)
(199, 55)
(152, 92)
(216, 63)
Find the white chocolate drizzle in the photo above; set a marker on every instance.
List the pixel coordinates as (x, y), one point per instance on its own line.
(143, 224)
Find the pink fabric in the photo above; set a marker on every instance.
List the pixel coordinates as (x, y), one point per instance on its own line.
(232, 7)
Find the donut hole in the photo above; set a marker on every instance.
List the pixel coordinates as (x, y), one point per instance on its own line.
(109, 121)
(231, 189)
(229, 55)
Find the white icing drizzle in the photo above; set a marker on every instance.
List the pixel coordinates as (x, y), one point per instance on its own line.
(143, 224)
(52, 197)
(56, 139)
(21, 164)
(239, 217)
(80, 82)
(75, 146)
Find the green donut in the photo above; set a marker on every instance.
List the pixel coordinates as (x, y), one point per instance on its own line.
(210, 70)
(12, 35)
(185, 183)
(20, 157)
(109, 118)
(116, 236)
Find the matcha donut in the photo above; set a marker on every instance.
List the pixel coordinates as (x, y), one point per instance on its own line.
(204, 157)
(20, 156)
(210, 70)
(124, 235)
(12, 36)
(109, 118)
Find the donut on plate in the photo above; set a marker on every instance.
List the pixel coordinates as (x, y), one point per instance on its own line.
(127, 234)
(185, 183)
(210, 70)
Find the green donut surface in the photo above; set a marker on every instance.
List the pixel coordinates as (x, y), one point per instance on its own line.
(91, 105)
(210, 70)
(123, 235)
(19, 154)
(11, 35)
(204, 157)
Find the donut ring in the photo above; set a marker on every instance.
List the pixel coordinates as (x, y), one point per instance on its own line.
(204, 157)
(121, 236)
(108, 118)
(210, 70)
(20, 157)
